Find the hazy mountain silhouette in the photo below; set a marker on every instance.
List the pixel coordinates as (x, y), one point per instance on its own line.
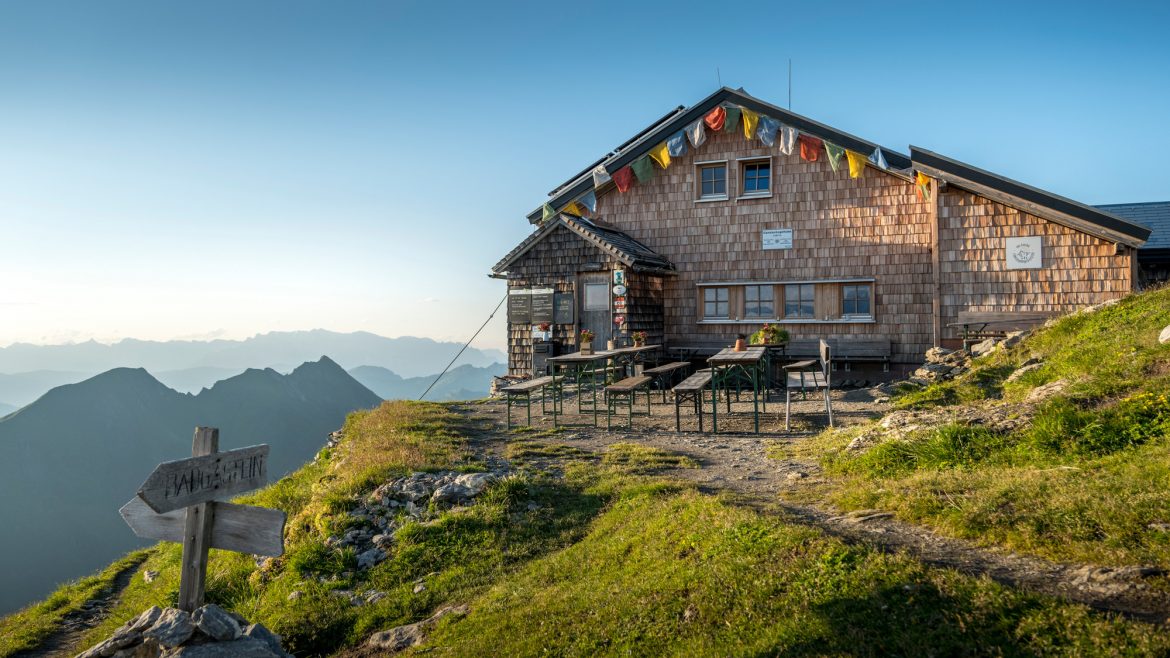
(22, 388)
(193, 380)
(461, 383)
(6, 409)
(74, 456)
(407, 355)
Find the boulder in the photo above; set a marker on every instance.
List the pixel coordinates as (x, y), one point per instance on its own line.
(261, 633)
(173, 628)
(216, 623)
(1164, 337)
(244, 647)
(451, 493)
(475, 482)
(1041, 393)
(983, 347)
(370, 558)
(122, 638)
(403, 637)
(146, 619)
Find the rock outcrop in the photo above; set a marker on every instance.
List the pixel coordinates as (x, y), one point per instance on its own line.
(211, 632)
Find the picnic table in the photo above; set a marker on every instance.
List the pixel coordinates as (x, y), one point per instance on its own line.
(584, 369)
(627, 357)
(728, 367)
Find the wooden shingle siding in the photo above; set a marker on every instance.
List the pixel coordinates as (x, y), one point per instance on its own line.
(1077, 269)
(873, 226)
(551, 263)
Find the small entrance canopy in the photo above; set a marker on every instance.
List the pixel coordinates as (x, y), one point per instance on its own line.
(627, 250)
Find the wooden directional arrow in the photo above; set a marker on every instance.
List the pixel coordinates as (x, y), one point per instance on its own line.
(202, 479)
(240, 528)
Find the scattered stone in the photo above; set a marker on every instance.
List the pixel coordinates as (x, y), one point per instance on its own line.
(146, 619)
(216, 623)
(1041, 393)
(173, 628)
(475, 482)
(1164, 337)
(419, 588)
(797, 475)
(984, 347)
(149, 576)
(403, 637)
(370, 558)
(1159, 527)
(294, 595)
(374, 596)
(1023, 370)
(451, 493)
(122, 638)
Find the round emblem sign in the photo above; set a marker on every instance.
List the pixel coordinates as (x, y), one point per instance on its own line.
(619, 290)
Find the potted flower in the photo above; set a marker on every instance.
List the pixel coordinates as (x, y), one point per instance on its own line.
(545, 326)
(586, 341)
(639, 338)
(740, 342)
(770, 334)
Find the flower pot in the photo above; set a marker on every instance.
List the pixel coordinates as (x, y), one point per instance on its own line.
(610, 345)
(639, 343)
(740, 344)
(587, 347)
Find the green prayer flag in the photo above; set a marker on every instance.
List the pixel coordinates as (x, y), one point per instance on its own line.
(733, 113)
(834, 152)
(547, 213)
(643, 169)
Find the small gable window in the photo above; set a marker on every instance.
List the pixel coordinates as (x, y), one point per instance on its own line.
(757, 178)
(713, 181)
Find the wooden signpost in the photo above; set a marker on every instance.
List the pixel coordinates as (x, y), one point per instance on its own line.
(195, 485)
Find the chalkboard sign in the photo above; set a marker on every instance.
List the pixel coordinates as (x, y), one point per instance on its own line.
(520, 307)
(563, 308)
(542, 305)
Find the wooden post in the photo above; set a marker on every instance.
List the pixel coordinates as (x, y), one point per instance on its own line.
(935, 263)
(197, 531)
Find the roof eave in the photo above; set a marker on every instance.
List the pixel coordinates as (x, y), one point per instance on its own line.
(1026, 198)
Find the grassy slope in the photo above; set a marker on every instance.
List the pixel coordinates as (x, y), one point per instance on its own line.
(611, 559)
(1083, 481)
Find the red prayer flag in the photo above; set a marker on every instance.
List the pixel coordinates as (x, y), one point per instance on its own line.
(715, 118)
(810, 147)
(623, 178)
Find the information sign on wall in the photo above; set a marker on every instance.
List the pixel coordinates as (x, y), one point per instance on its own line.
(563, 308)
(1024, 253)
(519, 306)
(780, 238)
(542, 305)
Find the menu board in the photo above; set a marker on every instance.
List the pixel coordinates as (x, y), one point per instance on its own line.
(519, 307)
(563, 307)
(542, 305)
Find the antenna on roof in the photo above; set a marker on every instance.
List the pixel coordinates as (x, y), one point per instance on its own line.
(718, 78)
(789, 84)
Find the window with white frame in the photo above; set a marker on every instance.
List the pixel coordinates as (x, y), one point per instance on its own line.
(713, 181)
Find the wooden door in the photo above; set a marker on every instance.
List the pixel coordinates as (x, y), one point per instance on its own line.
(593, 311)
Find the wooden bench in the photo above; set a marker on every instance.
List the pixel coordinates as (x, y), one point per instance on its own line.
(977, 326)
(861, 351)
(626, 391)
(691, 389)
(524, 390)
(664, 375)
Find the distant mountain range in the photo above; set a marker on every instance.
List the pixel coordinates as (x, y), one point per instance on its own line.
(461, 383)
(6, 409)
(408, 356)
(75, 455)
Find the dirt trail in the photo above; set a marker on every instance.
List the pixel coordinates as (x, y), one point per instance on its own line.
(737, 463)
(75, 624)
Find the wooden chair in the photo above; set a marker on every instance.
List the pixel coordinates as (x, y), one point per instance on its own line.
(818, 377)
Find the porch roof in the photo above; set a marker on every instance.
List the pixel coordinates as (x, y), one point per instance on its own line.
(621, 246)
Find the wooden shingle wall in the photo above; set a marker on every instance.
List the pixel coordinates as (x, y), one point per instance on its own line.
(1077, 269)
(873, 226)
(551, 263)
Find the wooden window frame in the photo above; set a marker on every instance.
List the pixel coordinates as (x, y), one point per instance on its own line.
(828, 295)
(726, 302)
(800, 301)
(868, 299)
(711, 164)
(772, 301)
(744, 163)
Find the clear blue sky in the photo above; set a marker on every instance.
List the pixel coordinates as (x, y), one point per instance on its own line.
(195, 169)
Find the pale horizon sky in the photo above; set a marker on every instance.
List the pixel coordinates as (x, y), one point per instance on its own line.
(222, 169)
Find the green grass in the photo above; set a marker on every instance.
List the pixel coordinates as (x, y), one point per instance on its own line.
(26, 628)
(1082, 481)
(678, 573)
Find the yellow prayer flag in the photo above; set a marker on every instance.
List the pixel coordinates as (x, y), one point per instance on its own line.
(661, 155)
(573, 209)
(923, 179)
(856, 163)
(750, 119)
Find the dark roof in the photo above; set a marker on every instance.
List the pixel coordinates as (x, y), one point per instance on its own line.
(619, 245)
(1154, 215)
(1053, 207)
(675, 121)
